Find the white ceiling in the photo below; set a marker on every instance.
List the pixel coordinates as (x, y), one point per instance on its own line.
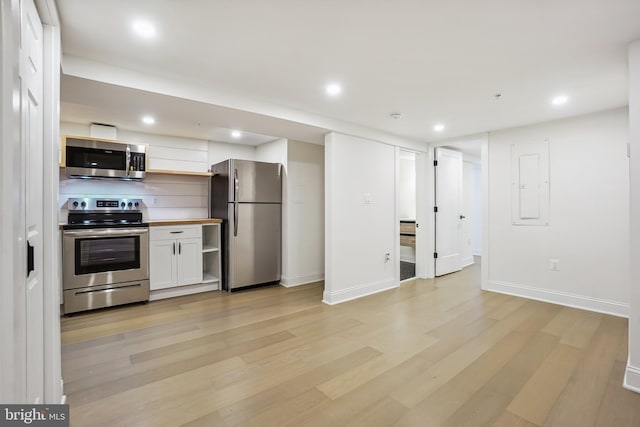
(430, 60)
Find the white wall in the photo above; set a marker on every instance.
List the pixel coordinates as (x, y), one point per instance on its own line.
(273, 152)
(632, 376)
(221, 151)
(407, 186)
(589, 210)
(304, 260)
(358, 234)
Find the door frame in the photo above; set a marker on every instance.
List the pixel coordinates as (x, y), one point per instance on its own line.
(483, 140)
(423, 268)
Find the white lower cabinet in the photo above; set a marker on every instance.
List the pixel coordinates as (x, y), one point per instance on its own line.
(175, 256)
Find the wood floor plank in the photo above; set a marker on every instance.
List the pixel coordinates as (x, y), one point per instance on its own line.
(539, 394)
(619, 407)
(582, 397)
(436, 352)
(507, 419)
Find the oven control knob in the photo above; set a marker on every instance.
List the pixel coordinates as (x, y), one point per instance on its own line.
(83, 204)
(122, 205)
(75, 204)
(137, 204)
(129, 205)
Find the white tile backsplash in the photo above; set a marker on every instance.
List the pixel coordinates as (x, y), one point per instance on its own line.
(163, 196)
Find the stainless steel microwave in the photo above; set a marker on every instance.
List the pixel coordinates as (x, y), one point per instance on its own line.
(89, 158)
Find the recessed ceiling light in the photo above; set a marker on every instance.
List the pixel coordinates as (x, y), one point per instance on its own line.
(144, 29)
(148, 120)
(560, 100)
(334, 89)
(236, 134)
(395, 116)
(438, 127)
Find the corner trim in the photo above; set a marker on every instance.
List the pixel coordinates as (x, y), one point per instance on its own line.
(358, 291)
(562, 298)
(632, 378)
(290, 282)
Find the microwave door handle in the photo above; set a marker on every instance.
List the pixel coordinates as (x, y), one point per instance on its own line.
(128, 161)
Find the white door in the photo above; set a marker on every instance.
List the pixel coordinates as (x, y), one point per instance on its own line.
(31, 81)
(189, 261)
(448, 175)
(162, 264)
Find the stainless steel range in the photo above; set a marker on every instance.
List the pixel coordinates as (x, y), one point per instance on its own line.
(105, 259)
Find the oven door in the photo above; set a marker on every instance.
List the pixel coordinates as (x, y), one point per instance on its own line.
(104, 256)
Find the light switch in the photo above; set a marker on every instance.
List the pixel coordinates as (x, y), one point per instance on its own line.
(367, 198)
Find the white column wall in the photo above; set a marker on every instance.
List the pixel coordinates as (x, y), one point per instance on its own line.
(360, 220)
(632, 376)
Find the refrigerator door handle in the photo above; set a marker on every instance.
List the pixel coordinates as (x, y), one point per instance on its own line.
(236, 185)
(235, 219)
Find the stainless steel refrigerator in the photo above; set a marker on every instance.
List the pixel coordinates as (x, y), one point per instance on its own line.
(247, 196)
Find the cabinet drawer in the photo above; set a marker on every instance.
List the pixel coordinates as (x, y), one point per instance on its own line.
(408, 241)
(407, 228)
(175, 232)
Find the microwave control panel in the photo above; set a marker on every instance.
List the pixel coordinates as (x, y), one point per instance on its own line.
(137, 162)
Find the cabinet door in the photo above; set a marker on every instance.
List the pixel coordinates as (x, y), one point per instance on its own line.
(162, 264)
(189, 261)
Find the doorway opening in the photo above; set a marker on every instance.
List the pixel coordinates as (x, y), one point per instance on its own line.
(458, 205)
(407, 214)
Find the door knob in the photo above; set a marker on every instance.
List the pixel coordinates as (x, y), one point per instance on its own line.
(462, 217)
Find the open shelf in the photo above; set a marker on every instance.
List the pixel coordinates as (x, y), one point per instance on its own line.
(211, 265)
(209, 278)
(172, 172)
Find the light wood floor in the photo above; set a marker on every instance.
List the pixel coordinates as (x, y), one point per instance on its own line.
(431, 353)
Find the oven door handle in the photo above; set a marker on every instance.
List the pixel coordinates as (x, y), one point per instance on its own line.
(107, 232)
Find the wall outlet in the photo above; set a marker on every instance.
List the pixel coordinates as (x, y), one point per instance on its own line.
(554, 264)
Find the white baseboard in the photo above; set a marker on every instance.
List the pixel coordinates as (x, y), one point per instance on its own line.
(183, 290)
(359, 291)
(467, 262)
(632, 378)
(290, 282)
(570, 300)
(408, 258)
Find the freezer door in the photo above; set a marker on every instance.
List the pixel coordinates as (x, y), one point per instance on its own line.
(255, 182)
(254, 244)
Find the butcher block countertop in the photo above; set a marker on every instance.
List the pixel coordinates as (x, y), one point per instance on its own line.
(156, 223)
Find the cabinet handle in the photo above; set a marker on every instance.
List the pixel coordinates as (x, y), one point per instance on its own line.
(179, 248)
(176, 232)
(174, 248)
